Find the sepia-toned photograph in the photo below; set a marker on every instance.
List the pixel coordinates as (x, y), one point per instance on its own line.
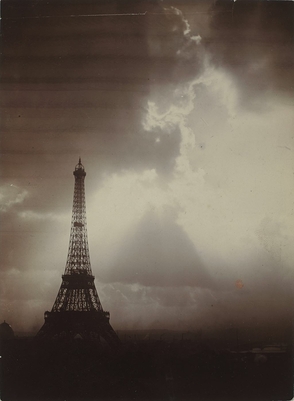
(146, 200)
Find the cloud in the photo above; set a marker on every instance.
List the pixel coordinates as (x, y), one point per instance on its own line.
(11, 195)
(259, 58)
(239, 144)
(30, 215)
(186, 26)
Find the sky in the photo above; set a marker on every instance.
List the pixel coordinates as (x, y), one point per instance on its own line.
(182, 113)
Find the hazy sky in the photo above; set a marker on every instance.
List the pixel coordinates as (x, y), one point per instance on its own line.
(182, 113)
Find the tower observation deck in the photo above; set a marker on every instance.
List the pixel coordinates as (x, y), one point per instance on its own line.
(77, 311)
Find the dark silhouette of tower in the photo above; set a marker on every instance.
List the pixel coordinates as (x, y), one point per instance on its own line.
(77, 311)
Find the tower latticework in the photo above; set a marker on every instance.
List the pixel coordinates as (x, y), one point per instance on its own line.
(77, 311)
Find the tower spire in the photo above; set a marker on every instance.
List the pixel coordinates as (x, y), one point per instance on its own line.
(78, 258)
(77, 309)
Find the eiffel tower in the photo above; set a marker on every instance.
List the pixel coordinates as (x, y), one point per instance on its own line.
(77, 311)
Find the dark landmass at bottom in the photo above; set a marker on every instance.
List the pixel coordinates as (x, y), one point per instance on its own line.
(144, 369)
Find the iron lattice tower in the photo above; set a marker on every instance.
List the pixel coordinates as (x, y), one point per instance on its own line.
(77, 311)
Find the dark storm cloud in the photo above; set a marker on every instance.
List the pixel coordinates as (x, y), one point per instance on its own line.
(80, 85)
(254, 41)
